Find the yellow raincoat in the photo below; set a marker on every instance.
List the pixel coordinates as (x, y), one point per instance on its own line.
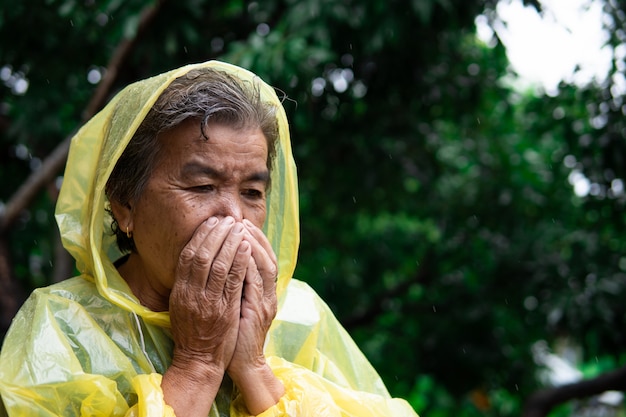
(87, 347)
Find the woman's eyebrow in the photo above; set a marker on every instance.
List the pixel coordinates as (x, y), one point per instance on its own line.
(261, 176)
(193, 169)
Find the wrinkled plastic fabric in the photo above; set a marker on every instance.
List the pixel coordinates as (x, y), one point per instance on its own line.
(87, 347)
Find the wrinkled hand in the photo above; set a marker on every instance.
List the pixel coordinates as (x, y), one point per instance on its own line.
(258, 306)
(205, 301)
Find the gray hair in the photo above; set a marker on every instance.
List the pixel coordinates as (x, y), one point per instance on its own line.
(201, 94)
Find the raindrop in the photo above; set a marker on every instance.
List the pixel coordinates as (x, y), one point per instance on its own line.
(354, 199)
(434, 309)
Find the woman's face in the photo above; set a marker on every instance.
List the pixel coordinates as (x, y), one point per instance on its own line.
(193, 180)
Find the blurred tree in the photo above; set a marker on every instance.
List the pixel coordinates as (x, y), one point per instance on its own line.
(438, 217)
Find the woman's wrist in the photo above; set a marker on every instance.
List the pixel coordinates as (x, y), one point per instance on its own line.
(200, 368)
(260, 389)
(190, 386)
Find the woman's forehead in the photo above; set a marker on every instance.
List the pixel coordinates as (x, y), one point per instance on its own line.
(223, 149)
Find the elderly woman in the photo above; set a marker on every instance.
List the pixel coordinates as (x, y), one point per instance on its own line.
(179, 203)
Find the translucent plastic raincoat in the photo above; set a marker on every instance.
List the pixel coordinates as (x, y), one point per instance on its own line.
(87, 347)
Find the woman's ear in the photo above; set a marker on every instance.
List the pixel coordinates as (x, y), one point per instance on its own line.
(122, 213)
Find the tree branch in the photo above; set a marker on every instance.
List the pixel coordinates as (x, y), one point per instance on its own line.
(541, 402)
(54, 163)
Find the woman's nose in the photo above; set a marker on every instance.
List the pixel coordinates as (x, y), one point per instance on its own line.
(230, 205)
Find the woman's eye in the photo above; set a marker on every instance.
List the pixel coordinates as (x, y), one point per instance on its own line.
(252, 193)
(204, 188)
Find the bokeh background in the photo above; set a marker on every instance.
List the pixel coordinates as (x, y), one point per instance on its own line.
(469, 233)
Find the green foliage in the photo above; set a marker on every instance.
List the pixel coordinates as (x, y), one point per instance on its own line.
(438, 220)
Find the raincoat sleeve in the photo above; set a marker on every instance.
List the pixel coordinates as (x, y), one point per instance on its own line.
(58, 360)
(323, 371)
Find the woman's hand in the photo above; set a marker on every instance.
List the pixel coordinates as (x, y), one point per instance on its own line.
(205, 305)
(248, 369)
(205, 300)
(258, 304)
(221, 307)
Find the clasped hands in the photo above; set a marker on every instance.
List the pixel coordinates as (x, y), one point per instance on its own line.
(221, 306)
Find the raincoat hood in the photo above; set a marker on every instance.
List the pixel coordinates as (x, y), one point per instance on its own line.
(81, 214)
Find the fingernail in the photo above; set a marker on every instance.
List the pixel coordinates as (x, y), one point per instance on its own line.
(248, 223)
(229, 220)
(244, 246)
(238, 228)
(212, 221)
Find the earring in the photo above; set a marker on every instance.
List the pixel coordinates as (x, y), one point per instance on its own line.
(128, 233)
